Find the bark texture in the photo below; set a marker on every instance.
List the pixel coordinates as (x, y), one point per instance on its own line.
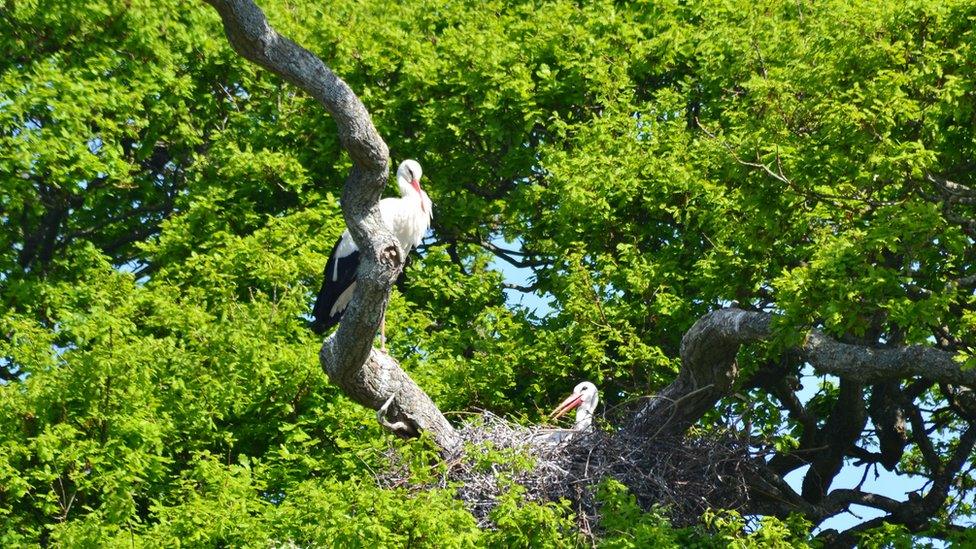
(708, 368)
(364, 374)
(707, 374)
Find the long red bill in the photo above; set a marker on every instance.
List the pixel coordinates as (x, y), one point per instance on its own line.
(571, 402)
(416, 186)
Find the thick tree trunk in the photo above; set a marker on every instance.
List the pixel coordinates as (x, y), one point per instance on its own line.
(348, 357)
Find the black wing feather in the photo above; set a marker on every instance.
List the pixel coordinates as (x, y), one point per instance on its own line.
(332, 289)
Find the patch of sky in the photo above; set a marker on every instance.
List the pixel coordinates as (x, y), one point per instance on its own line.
(536, 303)
(95, 144)
(136, 268)
(33, 124)
(17, 373)
(643, 127)
(874, 479)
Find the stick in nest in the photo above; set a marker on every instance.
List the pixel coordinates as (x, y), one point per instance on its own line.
(682, 476)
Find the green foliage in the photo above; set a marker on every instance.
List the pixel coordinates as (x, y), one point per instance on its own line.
(166, 208)
(888, 535)
(529, 524)
(730, 527)
(626, 525)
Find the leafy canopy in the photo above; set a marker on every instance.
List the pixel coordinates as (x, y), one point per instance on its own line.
(166, 209)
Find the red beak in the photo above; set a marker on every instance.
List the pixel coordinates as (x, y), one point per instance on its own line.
(571, 402)
(415, 183)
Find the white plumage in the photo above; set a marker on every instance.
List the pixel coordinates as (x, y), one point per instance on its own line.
(585, 398)
(407, 217)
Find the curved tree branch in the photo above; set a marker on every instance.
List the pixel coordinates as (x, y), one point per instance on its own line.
(364, 374)
(708, 373)
(708, 369)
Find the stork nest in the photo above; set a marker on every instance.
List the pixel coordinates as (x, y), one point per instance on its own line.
(682, 477)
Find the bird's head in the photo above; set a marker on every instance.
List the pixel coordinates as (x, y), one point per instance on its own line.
(584, 396)
(408, 177)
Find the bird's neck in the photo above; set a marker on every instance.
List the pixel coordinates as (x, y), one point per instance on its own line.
(584, 418)
(406, 189)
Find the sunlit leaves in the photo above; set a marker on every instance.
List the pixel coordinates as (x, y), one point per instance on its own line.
(166, 209)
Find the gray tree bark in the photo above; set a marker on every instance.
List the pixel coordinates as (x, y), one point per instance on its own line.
(708, 369)
(364, 374)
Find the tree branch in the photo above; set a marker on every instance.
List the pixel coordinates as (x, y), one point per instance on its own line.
(708, 369)
(772, 380)
(840, 433)
(915, 514)
(528, 259)
(707, 373)
(869, 365)
(347, 356)
(838, 500)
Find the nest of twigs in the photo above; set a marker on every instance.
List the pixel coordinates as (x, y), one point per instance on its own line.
(682, 477)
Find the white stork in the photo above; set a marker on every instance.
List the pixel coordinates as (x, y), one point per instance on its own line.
(585, 397)
(407, 217)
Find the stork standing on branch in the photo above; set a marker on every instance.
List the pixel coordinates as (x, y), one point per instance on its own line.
(407, 217)
(348, 357)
